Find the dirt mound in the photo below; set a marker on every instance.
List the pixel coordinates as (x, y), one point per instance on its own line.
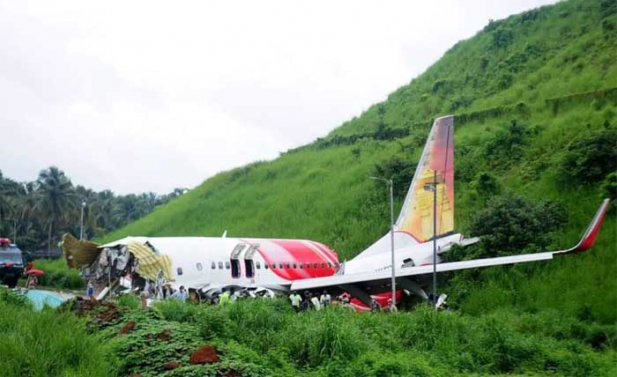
(204, 355)
(164, 336)
(129, 327)
(172, 365)
(103, 313)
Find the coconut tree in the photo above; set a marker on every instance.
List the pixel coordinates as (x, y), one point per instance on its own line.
(104, 209)
(56, 198)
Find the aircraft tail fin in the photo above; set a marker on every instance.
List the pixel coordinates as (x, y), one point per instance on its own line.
(435, 172)
(415, 222)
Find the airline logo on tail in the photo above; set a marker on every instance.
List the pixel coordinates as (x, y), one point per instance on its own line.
(435, 172)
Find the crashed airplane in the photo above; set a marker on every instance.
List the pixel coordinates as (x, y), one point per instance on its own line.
(208, 265)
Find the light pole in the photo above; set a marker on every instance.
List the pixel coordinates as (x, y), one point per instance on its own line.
(433, 187)
(81, 220)
(391, 186)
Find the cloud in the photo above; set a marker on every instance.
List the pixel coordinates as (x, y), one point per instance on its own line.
(148, 96)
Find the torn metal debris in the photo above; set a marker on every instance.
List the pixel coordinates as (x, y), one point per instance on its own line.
(136, 267)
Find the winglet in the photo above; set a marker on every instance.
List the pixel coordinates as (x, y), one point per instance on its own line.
(589, 237)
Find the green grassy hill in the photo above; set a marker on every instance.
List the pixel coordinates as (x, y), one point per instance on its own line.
(535, 99)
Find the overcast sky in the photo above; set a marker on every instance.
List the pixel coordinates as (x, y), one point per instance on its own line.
(148, 96)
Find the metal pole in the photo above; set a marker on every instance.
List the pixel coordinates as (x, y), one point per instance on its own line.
(435, 239)
(81, 221)
(391, 183)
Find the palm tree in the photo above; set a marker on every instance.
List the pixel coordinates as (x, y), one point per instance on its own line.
(56, 197)
(104, 210)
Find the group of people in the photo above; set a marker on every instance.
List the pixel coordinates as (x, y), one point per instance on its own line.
(315, 302)
(309, 301)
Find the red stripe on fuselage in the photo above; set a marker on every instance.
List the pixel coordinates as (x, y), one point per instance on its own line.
(303, 253)
(296, 252)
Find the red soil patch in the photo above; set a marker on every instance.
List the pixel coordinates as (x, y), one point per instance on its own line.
(204, 355)
(129, 327)
(171, 366)
(164, 335)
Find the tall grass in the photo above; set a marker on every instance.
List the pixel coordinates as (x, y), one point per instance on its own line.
(423, 342)
(46, 343)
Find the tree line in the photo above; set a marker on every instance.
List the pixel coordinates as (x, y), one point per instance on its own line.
(35, 214)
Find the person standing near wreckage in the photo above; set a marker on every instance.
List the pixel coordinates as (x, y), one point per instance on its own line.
(180, 294)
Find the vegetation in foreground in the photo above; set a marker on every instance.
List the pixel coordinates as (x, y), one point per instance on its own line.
(48, 343)
(267, 338)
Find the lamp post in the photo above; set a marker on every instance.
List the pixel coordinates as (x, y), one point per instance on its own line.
(433, 187)
(391, 186)
(81, 220)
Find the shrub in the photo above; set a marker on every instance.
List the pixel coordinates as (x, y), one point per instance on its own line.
(58, 275)
(398, 169)
(507, 146)
(590, 159)
(512, 224)
(177, 311)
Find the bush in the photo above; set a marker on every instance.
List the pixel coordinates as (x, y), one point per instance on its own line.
(177, 311)
(590, 159)
(400, 170)
(512, 224)
(507, 146)
(58, 275)
(129, 301)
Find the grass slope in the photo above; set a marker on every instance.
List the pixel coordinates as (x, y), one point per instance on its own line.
(551, 71)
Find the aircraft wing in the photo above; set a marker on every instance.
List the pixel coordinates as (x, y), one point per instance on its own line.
(365, 284)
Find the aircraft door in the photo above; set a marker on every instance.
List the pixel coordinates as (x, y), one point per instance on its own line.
(235, 260)
(249, 264)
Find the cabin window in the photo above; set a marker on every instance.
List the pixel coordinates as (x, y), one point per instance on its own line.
(213, 265)
(315, 265)
(220, 265)
(266, 266)
(199, 267)
(274, 266)
(258, 265)
(295, 266)
(281, 265)
(301, 265)
(249, 268)
(329, 265)
(179, 270)
(227, 266)
(308, 265)
(323, 265)
(288, 265)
